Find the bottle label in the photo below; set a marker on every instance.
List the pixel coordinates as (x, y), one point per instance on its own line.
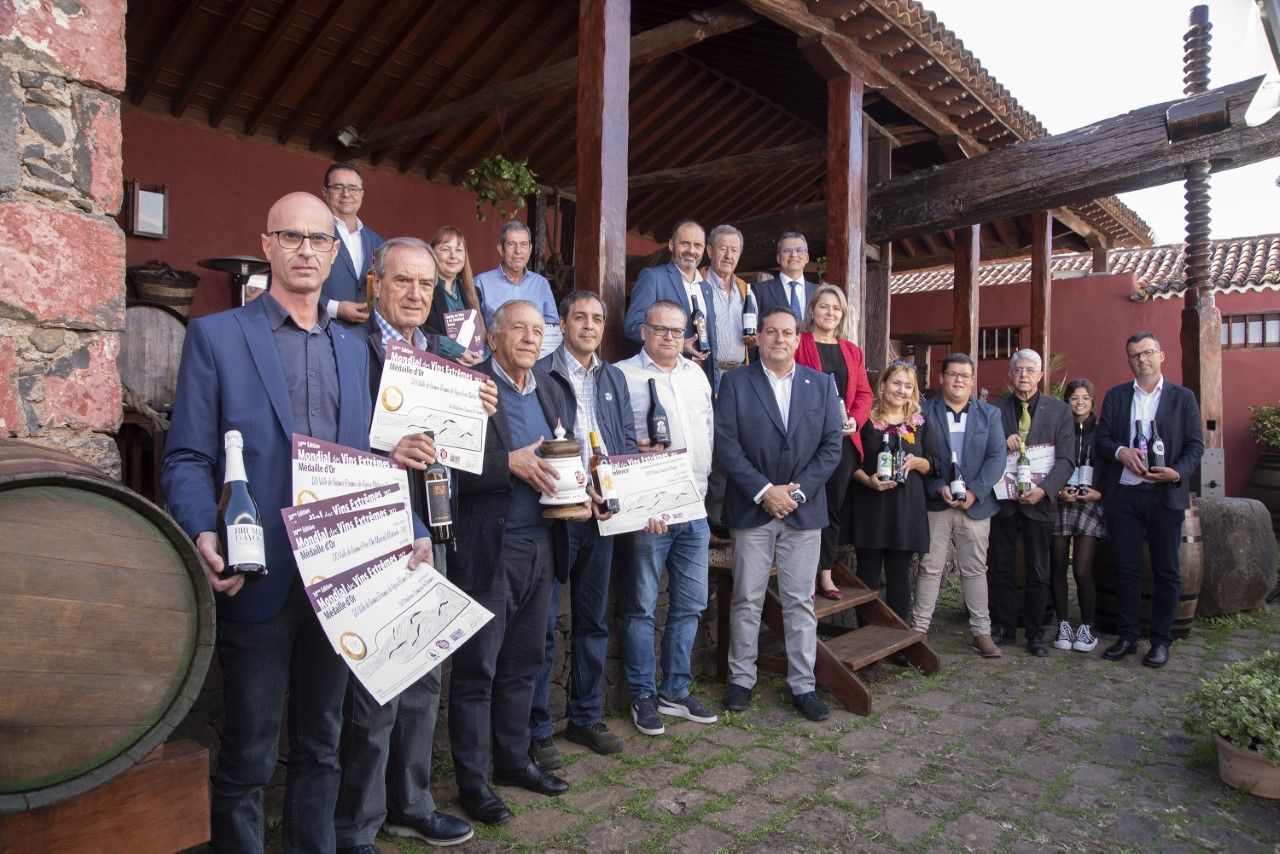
(245, 546)
(884, 465)
(1086, 476)
(749, 322)
(659, 427)
(438, 511)
(1157, 449)
(1024, 473)
(957, 487)
(604, 481)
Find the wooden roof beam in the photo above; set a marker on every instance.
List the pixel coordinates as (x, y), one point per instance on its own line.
(645, 47)
(738, 164)
(207, 56)
(287, 69)
(176, 31)
(258, 54)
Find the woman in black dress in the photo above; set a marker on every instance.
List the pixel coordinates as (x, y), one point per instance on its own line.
(890, 520)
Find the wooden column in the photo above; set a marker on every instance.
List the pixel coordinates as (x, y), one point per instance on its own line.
(600, 233)
(875, 294)
(1041, 252)
(964, 294)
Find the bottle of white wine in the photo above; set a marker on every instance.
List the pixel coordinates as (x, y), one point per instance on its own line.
(1025, 484)
(239, 524)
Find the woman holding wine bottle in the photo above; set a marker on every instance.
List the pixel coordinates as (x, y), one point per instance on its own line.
(456, 291)
(1079, 526)
(825, 346)
(890, 521)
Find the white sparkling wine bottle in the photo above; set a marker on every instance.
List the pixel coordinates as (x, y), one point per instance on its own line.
(239, 523)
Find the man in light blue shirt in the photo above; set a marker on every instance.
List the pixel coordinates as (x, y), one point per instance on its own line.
(511, 280)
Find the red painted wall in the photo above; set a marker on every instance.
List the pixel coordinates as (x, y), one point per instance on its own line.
(1091, 318)
(221, 185)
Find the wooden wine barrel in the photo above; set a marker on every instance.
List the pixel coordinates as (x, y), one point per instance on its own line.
(107, 625)
(150, 351)
(1264, 486)
(1190, 562)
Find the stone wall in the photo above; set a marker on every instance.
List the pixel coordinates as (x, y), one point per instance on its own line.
(61, 253)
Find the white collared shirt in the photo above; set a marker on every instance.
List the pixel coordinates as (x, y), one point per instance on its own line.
(583, 381)
(686, 395)
(692, 289)
(1143, 409)
(781, 386)
(787, 282)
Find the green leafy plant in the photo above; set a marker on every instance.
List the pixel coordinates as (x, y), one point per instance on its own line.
(501, 184)
(1241, 704)
(1264, 426)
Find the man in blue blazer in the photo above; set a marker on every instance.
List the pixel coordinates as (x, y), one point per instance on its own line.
(1143, 499)
(344, 291)
(790, 289)
(973, 433)
(778, 440)
(276, 367)
(678, 280)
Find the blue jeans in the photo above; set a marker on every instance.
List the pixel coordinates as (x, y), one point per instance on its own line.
(683, 550)
(590, 565)
(260, 662)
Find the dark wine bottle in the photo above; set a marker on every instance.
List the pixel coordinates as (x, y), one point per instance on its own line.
(602, 475)
(1140, 442)
(439, 516)
(239, 523)
(659, 426)
(750, 315)
(1084, 473)
(1155, 448)
(958, 490)
(703, 342)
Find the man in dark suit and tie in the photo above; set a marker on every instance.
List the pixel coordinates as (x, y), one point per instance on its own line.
(507, 556)
(1142, 498)
(775, 503)
(275, 367)
(344, 291)
(1037, 419)
(679, 281)
(789, 289)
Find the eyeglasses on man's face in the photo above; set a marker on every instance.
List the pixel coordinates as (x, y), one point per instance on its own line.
(1149, 353)
(665, 331)
(350, 189)
(1024, 371)
(958, 377)
(320, 242)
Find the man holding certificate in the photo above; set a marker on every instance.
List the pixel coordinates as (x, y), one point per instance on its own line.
(778, 434)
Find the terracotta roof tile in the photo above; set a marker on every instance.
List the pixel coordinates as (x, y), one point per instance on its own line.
(1237, 264)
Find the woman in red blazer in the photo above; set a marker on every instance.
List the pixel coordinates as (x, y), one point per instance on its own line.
(825, 346)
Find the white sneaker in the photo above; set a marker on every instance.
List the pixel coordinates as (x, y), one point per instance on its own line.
(1085, 641)
(1065, 636)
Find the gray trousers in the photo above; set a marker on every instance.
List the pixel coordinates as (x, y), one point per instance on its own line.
(386, 756)
(755, 551)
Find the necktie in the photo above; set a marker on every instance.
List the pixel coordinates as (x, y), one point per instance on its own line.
(1024, 420)
(795, 300)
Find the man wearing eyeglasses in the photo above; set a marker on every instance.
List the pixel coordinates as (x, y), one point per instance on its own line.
(1142, 499)
(685, 393)
(275, 367)
(513, 280)
(344, 291)
(789, 289)
(1037, 419)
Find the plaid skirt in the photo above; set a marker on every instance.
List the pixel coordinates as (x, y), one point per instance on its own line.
(1080, 519)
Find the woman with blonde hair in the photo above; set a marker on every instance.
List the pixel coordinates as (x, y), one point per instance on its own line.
(890, 521)
(455, 292)
(825, 346)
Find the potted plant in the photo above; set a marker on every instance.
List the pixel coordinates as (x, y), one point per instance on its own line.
(500, 183)
(1264, 484)
(1240, 708)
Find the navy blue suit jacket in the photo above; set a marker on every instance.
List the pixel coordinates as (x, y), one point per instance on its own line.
(983, 460)
(771, 294)
(231, 378)
(345, 282)
(754, 449)
(665, 282)
(1177, 419)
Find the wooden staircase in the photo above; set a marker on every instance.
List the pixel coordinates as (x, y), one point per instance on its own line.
(842, 651)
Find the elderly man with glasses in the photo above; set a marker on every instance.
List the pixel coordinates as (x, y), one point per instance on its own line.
(344, 292)
(1036, 419)
(684, 392)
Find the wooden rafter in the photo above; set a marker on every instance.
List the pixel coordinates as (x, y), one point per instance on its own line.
(177, 30)
(257, 55)
(196, 76)
(289, 66)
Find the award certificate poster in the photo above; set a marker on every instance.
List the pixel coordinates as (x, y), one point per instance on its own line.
(420, 392)
(325, 470)
(1041, 457)
(653, 486)
(390, 624)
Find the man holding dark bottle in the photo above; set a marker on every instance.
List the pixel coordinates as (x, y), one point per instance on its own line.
(602, 404)
(1149, 439)
(660, 378)
(275, 367)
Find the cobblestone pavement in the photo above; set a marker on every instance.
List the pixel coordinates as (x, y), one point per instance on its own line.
(1015, 754)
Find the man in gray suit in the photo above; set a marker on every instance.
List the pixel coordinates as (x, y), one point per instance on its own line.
(1037, 419)
(969, 431)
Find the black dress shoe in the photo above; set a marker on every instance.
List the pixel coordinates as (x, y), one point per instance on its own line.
(1119, 649)
(1036, 647)
(1003, 635)
(484, 806)
(439, 831)
(530, 777)
(1157, 656)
